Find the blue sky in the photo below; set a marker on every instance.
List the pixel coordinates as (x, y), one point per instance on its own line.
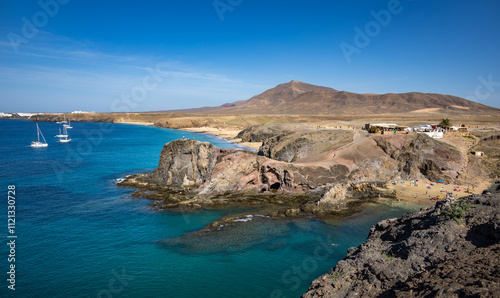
(67, 55)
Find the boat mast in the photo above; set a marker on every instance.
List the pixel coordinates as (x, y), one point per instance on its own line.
(39, 132)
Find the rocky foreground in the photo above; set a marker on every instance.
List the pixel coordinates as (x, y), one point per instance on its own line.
(450, 250)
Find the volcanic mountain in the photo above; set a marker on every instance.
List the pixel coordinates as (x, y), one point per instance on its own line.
(298, 98)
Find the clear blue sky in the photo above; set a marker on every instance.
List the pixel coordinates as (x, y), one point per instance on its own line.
(92, 55)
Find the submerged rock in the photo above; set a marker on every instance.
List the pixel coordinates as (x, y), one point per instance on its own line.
(450, 250)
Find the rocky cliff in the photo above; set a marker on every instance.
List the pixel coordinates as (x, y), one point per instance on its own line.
(450, 250)
(259, 133)
(185, 163)
(420, 156)
(335, 168)
(297, 145)
(368, 157)
(209, 169)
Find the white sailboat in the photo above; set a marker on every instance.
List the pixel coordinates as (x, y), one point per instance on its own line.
(60, 135)
(68, 125)
(38, 144)
(64, 136)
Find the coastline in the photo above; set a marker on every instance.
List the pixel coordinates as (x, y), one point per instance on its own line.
(137, 123)
(225, 133)
(425, 194)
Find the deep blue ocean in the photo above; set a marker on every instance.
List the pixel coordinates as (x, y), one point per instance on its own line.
(79, 235)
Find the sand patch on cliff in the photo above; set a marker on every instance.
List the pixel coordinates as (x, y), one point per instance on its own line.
(427, 111)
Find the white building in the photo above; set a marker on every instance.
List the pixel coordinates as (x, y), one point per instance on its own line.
(82, 112)
(26, 114)
(436, 134)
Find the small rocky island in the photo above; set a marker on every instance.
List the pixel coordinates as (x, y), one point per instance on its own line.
(450, 250)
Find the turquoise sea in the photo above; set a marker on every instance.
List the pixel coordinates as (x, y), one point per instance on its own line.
(79, 235)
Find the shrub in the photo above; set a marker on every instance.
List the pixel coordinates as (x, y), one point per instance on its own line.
(455, 211)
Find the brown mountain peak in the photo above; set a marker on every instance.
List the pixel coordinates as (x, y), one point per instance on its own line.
(298, 98)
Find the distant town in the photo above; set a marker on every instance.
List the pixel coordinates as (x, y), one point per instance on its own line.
(28, 115)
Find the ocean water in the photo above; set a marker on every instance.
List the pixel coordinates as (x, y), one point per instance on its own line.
(79, 235)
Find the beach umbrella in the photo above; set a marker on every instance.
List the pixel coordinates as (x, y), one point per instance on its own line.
(441, 181)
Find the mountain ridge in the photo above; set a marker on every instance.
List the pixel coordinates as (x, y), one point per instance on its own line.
(299, 98)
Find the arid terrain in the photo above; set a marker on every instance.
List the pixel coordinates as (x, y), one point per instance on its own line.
(298, 102)
(311, 126)
(313, 157)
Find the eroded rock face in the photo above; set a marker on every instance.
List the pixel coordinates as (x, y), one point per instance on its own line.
(420, 156)
(428, 253)
(235, 171)
(202, 166)
(294, 146)
(334, 195)
(242, 170)
(261, 132)
(208, 169)
(185, 163)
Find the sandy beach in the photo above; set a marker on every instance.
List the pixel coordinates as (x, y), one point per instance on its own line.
(427, 193)
(136, 123)
(226, 133)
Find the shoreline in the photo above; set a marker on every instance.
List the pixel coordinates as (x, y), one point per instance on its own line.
(137, 123)
(225, 133)
(419, 194)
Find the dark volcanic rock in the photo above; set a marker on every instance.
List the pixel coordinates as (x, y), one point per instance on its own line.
(292, 142)
(193, 174)
(207, 171)
(291, 147)
(261, 132)
(450, 250)
(210, 170)
(185, 163)
(422, 155)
